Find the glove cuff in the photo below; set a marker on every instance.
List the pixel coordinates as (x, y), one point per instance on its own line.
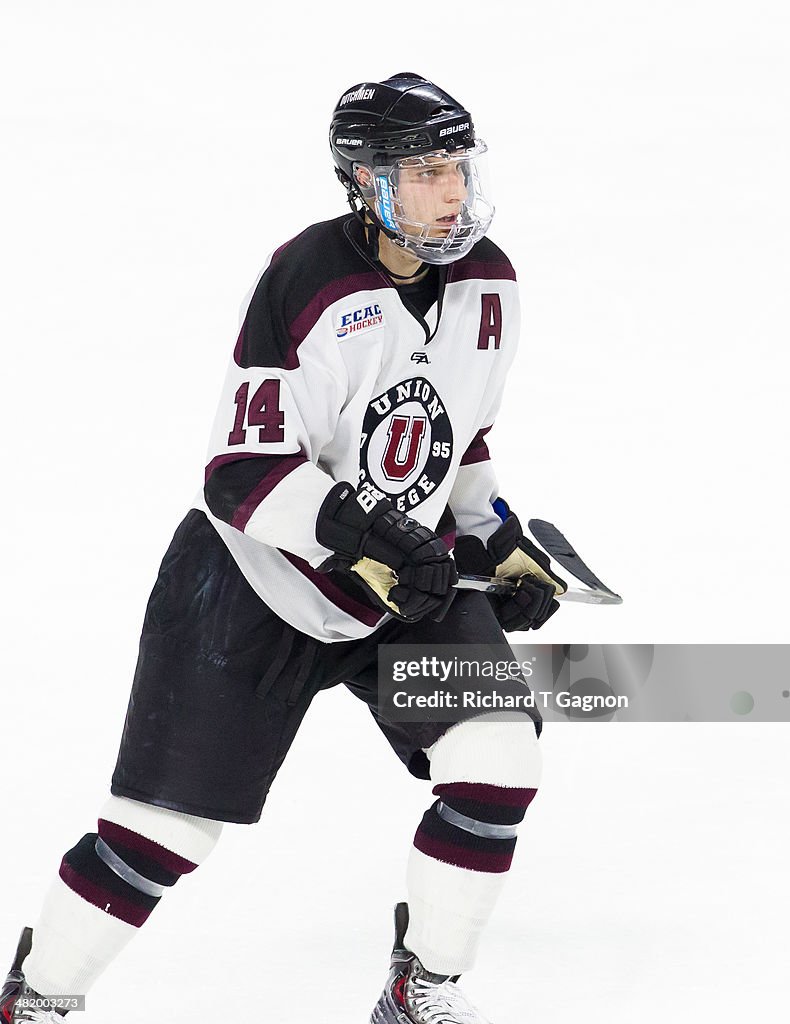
(345, 517)
(473, 556)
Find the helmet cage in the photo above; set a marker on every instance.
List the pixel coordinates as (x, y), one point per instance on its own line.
(388, 190)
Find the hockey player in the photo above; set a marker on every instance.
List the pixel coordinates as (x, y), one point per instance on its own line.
(347, 458)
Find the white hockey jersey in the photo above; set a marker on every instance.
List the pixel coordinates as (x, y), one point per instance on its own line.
(334, 378)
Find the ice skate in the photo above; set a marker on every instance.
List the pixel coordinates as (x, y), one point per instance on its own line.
(413, 995)
(16, 991)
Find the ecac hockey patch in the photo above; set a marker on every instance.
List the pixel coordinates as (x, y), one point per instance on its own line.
(358, 321)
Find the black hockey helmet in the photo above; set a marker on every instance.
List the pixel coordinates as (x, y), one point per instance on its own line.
(402, 124)
(377, 123)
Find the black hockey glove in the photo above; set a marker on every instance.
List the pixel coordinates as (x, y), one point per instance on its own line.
(510, 555)
(402, 564)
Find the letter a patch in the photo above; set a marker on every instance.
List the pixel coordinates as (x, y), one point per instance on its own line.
(490, 321)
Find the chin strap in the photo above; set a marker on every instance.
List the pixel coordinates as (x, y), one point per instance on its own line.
(371, 226)
(391, 273)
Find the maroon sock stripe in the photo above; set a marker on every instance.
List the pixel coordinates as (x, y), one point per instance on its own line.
(167, 861)
(444, 841)
(109, 902)
(86, 874)
(504, 796)
(472, 860)
(486, 806)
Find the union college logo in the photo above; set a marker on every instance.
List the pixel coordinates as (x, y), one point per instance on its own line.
(407, 443)
(406, 434)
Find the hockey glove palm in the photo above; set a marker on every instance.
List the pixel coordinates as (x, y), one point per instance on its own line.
(403, 565)
(510, 555)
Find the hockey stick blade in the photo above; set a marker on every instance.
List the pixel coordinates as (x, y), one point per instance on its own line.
(497, 585)
(553, 542)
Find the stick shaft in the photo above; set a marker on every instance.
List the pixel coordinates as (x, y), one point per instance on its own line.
(495, 585)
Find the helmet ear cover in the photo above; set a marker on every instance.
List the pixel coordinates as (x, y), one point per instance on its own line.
(363, 176)
(361, 189)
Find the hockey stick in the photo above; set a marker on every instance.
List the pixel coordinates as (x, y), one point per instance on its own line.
(497, 585)
(556, 545)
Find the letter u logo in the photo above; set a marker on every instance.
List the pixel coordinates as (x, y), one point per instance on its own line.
(403, 446)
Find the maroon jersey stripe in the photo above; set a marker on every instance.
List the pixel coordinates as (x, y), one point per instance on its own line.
(338, 597)
(244, 512)
(281, 249)
(224, 460)
(239, 344)
(240, 340)
(477, 450)
(332, 292)
(475, 270)
(449, 539)
(481, 454)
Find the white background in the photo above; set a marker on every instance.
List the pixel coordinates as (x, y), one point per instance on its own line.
(152, 155)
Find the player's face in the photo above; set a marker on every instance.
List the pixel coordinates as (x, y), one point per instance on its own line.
(433, 193)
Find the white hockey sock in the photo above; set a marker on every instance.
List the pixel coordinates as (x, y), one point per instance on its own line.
(485, 773)
(449, 908)
(99, 900)
(73, 942)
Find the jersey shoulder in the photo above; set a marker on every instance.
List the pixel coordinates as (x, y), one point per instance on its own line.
(484, 260)
(301, 276)
(321, 252)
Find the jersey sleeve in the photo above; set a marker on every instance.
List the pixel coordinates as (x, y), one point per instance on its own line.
(476, 486)
(474, 491)
(280, 402)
